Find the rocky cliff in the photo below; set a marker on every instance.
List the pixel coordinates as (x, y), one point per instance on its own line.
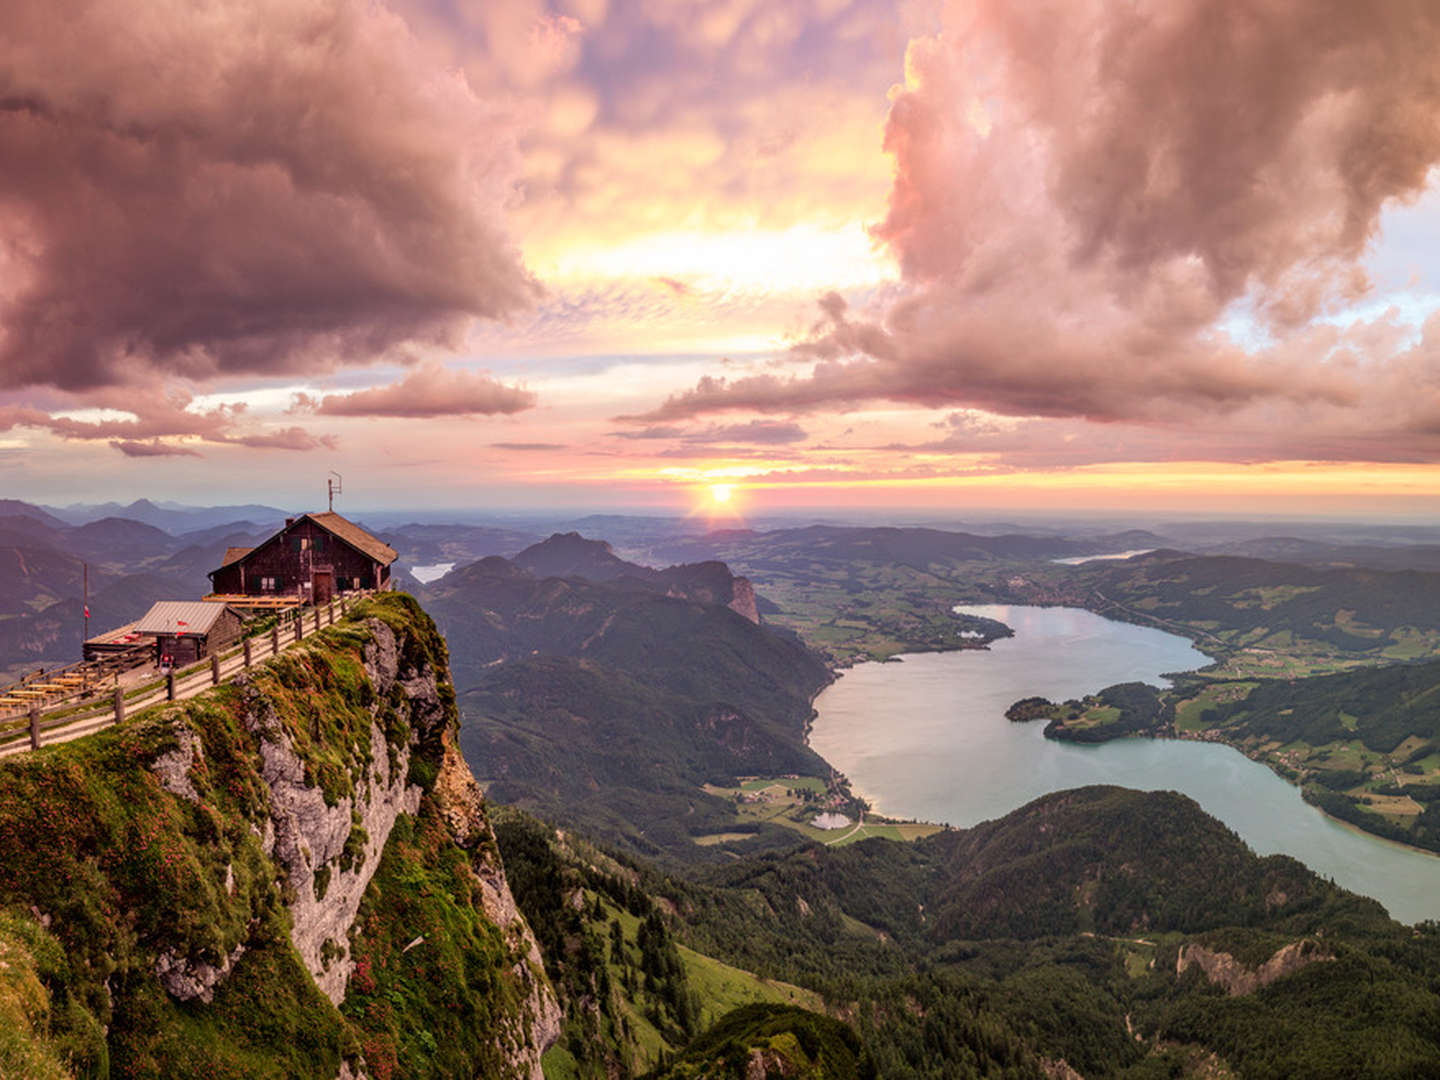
(291, 875)
(1223, 969)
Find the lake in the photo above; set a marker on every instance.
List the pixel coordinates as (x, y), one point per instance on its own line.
(927, 738)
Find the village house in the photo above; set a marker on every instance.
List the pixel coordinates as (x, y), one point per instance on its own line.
(314, 558)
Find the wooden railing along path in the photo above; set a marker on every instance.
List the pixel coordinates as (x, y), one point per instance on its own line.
(71, 720)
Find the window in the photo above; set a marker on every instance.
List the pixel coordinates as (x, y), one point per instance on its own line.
(267, 584)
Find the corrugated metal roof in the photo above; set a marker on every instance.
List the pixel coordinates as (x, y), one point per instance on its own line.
(180, 617)
(233, 554)
(356, 537)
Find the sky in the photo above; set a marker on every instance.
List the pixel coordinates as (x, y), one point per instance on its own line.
(1159, 255)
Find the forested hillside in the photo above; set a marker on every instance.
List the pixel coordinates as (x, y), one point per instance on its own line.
(1024, 943)
(608, 705)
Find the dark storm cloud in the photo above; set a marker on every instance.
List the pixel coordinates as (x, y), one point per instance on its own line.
(249, 187)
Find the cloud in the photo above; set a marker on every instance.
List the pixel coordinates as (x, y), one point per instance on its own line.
(654, 431)
(153, 448)
(140, 421)
(1085, 192)
(761, 432)
(764, 432)
(528, 446)
(431, 390)
(254, 187)
(291, 438)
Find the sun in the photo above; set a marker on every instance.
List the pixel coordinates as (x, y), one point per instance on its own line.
(720, 493)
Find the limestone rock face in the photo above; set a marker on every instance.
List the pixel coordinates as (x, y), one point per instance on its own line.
(310, 835)
(462, 807)
(742, 600)
(1222, 969)
(328, 851)
(194, 980)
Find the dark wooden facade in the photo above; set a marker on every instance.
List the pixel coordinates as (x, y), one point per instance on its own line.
(314, 558)
(191, 630)
(187, 648)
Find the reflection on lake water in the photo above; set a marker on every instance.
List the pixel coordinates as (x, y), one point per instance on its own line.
(927, 738)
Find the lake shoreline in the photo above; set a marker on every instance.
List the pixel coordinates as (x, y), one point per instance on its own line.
(1259, 759)
(926, 740)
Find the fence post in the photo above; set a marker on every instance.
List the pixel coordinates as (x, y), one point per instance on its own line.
(170, 687)
(275, 638)
(299, 625)
(317, 620)
(119, 703)
(214, 669)
(330, 613)
(342, 607)
(34, 726)
(246, 646)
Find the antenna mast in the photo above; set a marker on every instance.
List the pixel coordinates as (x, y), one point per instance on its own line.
(332, 488)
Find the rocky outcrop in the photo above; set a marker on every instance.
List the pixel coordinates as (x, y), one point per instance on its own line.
(1222, 969)
(194, 980)
(742, 600)
(462, 806)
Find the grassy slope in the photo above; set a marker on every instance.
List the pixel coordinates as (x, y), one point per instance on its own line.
(126, 870)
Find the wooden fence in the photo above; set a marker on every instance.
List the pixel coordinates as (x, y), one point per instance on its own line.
(73, 720)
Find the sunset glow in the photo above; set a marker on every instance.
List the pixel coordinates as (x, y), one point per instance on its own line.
(842, 253)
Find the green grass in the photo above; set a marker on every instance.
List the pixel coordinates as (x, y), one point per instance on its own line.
(722, 987)
(27, 1048)
(802, 783)
(557, 1063)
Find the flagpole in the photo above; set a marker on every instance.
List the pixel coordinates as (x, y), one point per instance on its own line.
(86, 602)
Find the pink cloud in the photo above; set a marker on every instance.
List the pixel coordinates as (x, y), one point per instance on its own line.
(430, 390)
(153, 448)
(254, 187)
(158, 416)
(1083, 190)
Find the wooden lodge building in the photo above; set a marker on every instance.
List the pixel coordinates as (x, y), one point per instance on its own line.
(314, 558)
(189, 630)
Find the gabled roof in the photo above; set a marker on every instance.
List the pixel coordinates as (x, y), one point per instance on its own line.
(180, 617)
(234, 554)
(355, 536)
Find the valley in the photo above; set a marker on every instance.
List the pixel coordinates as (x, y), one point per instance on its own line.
(659, 785)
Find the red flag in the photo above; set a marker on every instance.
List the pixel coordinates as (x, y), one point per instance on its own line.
(87, 611)
(181, 622)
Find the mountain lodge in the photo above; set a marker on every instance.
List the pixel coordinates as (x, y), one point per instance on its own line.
(313, 558)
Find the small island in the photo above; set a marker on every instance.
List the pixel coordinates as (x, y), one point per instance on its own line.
(1030, 708)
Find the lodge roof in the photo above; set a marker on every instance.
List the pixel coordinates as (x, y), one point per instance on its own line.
(180, 617)
(355, 536)
(235, 554)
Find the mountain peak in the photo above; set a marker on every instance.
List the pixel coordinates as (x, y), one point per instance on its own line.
(572, 555)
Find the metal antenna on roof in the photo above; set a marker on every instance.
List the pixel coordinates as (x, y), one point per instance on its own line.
(332, 488)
